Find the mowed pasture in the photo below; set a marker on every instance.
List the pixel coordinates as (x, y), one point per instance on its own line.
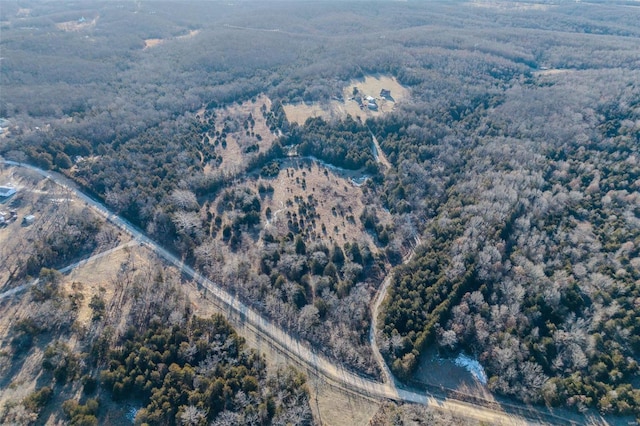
(334, 109)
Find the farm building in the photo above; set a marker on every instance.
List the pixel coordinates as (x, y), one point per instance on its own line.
(28, 220)
(6, 192)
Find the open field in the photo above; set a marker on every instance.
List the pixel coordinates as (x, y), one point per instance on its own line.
(337, 201)
(234, 154)
(369, 86)
(152, 42)
(78, 25)
(22, 374)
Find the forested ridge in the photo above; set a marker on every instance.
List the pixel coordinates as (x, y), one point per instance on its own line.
(515, 161)
(528, 262)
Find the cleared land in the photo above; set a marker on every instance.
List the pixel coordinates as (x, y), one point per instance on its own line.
(79, 25)
(336, 200)
(240, 143)
(105, 278)
(152, 42)
(369, 86)
(46, 202)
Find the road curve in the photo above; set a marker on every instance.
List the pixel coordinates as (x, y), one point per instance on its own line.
(297, 351)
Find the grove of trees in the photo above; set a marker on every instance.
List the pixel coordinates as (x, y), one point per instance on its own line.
(515, 162)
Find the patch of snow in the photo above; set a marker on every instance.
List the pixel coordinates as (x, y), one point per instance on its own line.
(472, 366)
(131, 414)
(359, 181)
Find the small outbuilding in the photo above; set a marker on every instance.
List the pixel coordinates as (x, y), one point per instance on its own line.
(6, 192)
(384, 93)
(28, 220)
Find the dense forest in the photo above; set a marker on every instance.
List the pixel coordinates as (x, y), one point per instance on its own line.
(515, 163)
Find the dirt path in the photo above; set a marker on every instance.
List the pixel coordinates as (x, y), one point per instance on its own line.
(249, 320)
(67, 269)
(387, 375)
(378, 153)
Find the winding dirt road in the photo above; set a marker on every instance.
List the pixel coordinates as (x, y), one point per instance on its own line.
(243, 316)
(387, 375)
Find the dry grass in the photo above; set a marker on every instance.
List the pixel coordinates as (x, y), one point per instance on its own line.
(369, 86)
(35, 196)
(338, 202)
(95, 277)
(152, 42)
(26, 379)
(299, 113)
(77, 25)
(334, 407)
(234, 157)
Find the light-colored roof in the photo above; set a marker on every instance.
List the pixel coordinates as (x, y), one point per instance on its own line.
(6, 191)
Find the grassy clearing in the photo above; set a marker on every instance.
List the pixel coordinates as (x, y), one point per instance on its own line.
(334, 407)
(153, 42)
(238, 142)
(79, 25)
(369, 86)
(338, 202)
(22, 374)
